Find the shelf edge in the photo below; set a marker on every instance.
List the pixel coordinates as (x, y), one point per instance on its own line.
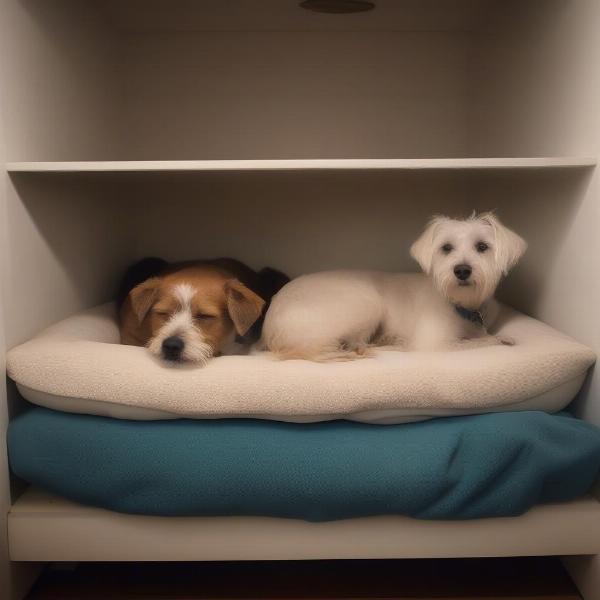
(301, 165)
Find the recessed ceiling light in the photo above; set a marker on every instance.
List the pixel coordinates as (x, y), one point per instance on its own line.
(337, 7)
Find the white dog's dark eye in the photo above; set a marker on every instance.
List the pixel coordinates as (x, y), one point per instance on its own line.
(447, 248)
(481, 246)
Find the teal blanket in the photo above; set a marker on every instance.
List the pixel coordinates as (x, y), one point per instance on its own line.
(452, 468)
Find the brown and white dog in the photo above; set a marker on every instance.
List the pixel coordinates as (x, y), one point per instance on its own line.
(190, 312)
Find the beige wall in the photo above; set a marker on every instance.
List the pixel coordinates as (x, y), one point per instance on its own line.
(15, 580)
(65, 238)
(537, 92)
(59, 60)
(294, 94)
(4, 478)
(67, 242)
(297, 222)
(55, 102)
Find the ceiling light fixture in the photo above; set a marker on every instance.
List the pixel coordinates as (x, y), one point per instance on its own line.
(337, 7)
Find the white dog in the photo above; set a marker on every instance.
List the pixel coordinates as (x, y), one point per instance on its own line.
(338, 315)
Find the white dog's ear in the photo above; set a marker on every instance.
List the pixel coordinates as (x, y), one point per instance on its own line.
(508, 246)
(422, 249)
(143, 296)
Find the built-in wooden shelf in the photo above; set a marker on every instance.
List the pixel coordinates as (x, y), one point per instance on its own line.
(43, 527)
(331, 164)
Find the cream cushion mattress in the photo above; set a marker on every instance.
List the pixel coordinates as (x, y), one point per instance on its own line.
(78, 365)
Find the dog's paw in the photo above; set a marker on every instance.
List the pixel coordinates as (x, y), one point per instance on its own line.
(506, 340)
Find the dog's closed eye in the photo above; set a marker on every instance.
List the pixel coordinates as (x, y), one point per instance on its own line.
(447, 248)
(204, 316)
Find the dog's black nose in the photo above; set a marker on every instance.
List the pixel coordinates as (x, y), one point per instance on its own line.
(172, 347)
(462, 272)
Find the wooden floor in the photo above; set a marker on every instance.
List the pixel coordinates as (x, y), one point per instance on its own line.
(485, 579)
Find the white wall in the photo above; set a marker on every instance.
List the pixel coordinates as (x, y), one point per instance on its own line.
(59, 61)
(296, 222)
(293, 94)
(58, 101)
(15, 579)
(58, 251)
(537, 92)
(286, 15)
(267, 79)
(67, 242)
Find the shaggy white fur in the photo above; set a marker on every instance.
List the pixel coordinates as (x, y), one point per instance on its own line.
(338, 315)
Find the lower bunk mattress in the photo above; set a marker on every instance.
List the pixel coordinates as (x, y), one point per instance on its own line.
(453, 468)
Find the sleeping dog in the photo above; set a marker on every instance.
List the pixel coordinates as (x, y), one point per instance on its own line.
(337, 315)
(190, 312)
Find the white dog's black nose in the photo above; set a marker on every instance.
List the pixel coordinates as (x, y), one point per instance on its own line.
(172, 347)
(462, 272)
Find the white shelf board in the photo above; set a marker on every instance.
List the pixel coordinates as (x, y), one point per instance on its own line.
(42, 527)
(400, 164)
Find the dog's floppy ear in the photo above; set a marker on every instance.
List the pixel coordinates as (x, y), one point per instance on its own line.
(244, 306)
(508, 247)
(142, 297)
(422, 250)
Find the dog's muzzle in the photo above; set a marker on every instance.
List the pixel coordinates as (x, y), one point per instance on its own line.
(462, 272)
(172, 348)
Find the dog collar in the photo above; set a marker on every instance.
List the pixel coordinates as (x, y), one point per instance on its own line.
(473, 316)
